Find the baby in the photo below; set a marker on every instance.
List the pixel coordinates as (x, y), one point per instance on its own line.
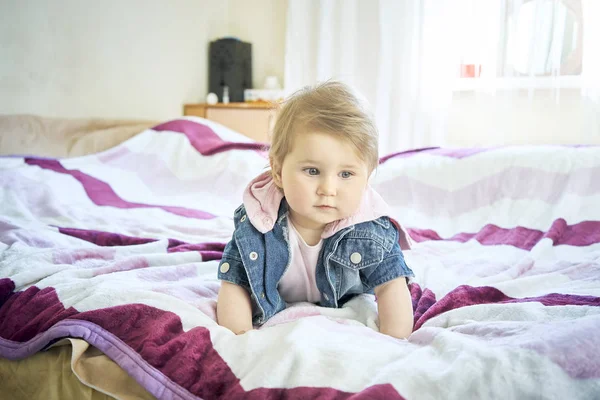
(312, 229)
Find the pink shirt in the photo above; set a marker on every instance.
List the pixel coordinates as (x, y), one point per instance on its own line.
(299, 280)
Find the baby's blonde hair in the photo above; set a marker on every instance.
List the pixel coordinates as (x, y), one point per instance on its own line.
(331, 108)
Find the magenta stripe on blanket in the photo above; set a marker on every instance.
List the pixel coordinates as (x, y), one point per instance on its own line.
(26, 314)
(422, 300)
(204, 139)
(7, 286)
(186, 358)
(209, 251)
(581, 234)
(464, 296)
(103, 195)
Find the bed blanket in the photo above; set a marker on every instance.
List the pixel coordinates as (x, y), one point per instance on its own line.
(121, 248)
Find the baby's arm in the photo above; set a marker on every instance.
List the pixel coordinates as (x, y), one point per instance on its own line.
(234, 308)
(395, 308)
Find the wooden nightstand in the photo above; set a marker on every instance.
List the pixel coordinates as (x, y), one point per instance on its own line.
(254, 120)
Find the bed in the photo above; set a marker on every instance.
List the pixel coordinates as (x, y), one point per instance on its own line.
(108, 265)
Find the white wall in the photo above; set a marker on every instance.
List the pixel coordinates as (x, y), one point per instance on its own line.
(139, 59)
(263, 24)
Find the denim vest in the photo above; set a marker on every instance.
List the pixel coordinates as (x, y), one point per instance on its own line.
(353, 261)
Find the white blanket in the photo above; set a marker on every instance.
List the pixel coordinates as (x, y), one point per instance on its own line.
(120, 248)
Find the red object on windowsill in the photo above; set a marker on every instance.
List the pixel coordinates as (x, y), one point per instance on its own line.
(470, 70)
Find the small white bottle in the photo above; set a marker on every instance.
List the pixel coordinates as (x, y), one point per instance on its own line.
(225, 94)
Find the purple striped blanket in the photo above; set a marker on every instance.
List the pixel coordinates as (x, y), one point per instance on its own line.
(120, 248)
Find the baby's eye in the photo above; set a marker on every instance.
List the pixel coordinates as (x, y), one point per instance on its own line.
(346, 174)
(312, 171)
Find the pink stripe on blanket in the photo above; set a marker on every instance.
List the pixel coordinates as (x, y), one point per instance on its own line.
(127, 264)
(152, 337)
(515, 183)
(458, 152)
(82, 256)
(575, 347)
(581, 234)
(204, 139)
(209, 250)
(158, 177)
(102, 194)
(453, 153)
(171, 274)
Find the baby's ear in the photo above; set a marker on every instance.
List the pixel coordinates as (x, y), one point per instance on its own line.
(276, 172)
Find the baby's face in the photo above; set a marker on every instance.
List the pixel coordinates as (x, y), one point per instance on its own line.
(323, 180)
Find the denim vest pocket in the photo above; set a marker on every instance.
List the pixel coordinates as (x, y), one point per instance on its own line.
(358, 253)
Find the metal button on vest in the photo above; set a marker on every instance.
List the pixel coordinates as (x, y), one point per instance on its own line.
(243, 218)
(262, 295)
(326, 297)
(253, 256)
(224, 267)
(355, 258)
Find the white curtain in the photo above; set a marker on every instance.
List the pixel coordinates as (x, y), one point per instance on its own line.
(591, 68)
(407, 56)
(395, 52)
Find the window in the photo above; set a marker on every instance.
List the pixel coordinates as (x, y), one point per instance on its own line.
(519, 43)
